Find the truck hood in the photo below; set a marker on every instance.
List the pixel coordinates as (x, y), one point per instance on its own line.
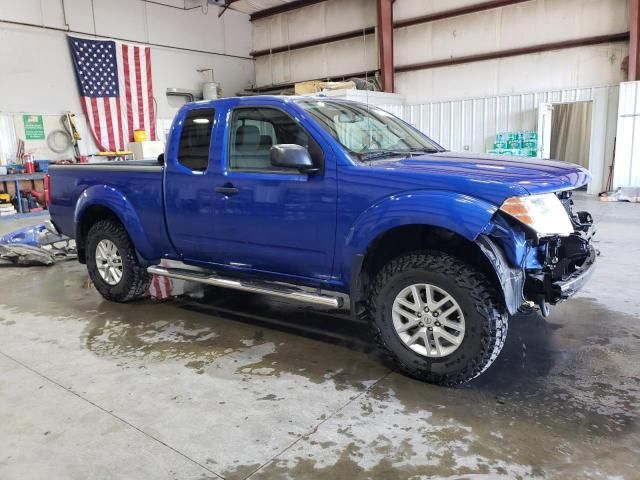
(492, 177)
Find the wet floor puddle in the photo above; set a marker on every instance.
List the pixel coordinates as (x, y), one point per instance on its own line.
(562, 398)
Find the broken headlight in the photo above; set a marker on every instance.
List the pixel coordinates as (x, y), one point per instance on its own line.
(543, 213)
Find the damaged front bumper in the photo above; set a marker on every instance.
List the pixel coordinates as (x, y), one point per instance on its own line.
(563, 289)
(540, 271)
(567, 264)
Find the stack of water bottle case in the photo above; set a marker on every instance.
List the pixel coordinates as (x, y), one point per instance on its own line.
(521, 144)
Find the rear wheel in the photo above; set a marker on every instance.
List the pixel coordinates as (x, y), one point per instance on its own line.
(112, 263)
(438, 319)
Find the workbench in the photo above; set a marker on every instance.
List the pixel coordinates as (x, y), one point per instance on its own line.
(17, 182)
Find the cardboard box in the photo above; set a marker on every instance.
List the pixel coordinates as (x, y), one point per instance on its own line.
(147, 150)
(316, 86)
(305, 88)
(349, 85)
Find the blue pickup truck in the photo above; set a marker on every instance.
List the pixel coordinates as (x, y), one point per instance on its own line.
(319, 200)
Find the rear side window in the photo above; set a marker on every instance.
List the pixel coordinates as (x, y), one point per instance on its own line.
(196, 138)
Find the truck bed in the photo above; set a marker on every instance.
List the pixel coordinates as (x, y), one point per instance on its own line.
(132, 190)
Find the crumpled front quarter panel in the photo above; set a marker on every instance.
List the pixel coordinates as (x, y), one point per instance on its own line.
(367, 211)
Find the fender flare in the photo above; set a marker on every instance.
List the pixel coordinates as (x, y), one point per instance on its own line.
(511, 280)
(467, 216)
(109, 197)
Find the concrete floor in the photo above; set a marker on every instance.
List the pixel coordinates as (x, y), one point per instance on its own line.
(239, 386)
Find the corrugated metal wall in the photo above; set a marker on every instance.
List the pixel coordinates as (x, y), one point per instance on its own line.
(627, 168)
(471, 125)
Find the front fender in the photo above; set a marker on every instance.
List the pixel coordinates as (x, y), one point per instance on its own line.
(510, 279)
(462, 214)
(116, 201)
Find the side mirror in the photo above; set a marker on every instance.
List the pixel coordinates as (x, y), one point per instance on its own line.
(290, 155)
(161, 159)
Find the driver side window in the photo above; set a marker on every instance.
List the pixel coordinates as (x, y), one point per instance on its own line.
(255, 130)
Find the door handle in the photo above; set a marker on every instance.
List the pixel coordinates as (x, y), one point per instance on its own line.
(227, 189)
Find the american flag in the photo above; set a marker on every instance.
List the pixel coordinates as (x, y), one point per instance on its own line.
(20, 153)
(116, 91)
(160, 288)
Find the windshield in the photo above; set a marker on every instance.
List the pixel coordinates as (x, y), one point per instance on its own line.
(368, 132)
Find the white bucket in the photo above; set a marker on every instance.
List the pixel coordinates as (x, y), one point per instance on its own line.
(210, 90)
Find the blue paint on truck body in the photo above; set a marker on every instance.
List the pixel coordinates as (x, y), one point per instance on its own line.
(297, 227)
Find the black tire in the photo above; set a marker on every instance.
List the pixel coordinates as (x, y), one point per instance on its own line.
(135, 279)
(485, 316)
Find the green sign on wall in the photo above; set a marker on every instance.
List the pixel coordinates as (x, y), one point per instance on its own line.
(33, 127)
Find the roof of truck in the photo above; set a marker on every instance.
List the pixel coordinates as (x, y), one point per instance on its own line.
(280, 98)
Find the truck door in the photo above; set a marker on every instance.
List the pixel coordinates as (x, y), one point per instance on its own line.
(227, 206)
(188, 183)
(273, 219)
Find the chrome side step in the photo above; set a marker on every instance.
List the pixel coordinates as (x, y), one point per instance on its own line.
(275, 290)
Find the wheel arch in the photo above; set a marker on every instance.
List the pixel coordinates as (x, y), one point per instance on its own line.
(421, 215)
(101, 202)
(408, 238)
(89, 217)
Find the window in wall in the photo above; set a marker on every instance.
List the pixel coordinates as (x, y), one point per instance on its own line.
(255, 130)
(196, 139)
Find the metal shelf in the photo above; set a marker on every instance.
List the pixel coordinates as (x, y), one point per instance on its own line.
(17, 216)
(17, 178)
(22, 176)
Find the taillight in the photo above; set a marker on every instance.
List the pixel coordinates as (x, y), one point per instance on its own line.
(47, 190)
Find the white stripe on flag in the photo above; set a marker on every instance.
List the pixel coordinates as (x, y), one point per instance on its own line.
(143, 86)
(163, 290)
(87, 106)
(102, 118)
(168, 286)
(113, 105)
(123, 96)
(134, 87)
(89, 110)
(148, 91)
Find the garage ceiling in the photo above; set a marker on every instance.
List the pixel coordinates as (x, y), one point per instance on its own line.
(253, 6)
(247, 6)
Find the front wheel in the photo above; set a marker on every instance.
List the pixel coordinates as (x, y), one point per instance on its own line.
(438, 319)
(112, 263)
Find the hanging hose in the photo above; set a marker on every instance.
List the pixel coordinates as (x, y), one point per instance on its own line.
(69, 125)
